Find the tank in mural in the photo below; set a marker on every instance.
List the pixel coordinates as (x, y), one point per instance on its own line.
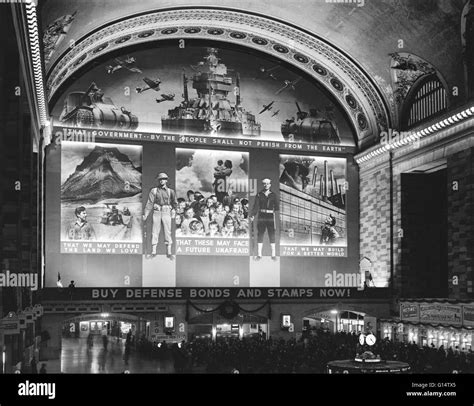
(93, 109)
(315, 127)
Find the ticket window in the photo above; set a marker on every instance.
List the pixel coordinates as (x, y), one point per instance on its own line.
(453, 341)
(412, 336)
(105, 328)
(351, 325)
(443, 340)
(84, 329)
(253, 330)
(125, 328)
(457, 342)
(467, 342)
(236, 330)
(400, 332)
(432, 341)
(227, 330)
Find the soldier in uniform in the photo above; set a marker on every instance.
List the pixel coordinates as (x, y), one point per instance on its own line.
(162, 202)
(265, 206)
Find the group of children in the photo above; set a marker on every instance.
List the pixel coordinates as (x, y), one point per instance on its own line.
(209, 217)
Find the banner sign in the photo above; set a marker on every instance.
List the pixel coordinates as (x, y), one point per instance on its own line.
(468, 316)
(409, 311)
(91, 135)
(117, 294)
(10, 326)
(440, 313)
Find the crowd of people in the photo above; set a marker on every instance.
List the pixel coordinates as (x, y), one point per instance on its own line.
(306, 355)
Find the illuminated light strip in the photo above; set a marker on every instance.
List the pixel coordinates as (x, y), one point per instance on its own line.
(448, 122)
(36, 59)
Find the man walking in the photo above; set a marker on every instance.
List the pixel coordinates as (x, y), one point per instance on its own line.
(162, 202)
(265, 206)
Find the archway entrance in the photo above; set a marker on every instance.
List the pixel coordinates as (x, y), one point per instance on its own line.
(113, 343)
(104, 324)
(213, 326)
(351, 322)
(335, 320)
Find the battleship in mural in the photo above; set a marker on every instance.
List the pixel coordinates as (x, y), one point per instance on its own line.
(92, 109)
(211, 112)
(313, 205)
(315, 127)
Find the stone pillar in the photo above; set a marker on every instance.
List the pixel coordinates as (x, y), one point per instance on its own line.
(374, 202)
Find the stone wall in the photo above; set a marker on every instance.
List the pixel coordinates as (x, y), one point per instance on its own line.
(461, 224)
(374, 201)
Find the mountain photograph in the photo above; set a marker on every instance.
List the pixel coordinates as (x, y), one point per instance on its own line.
(106, 180)
(104, 173)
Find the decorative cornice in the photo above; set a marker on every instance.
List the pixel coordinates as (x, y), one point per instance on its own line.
(35, 52)
(26, 30)
(418, 135)
(346, 81)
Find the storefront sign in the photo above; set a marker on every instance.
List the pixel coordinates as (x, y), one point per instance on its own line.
(159, 338)
(468, 316)
(10, 326)
(409, 311)
(440, 313)
(113, 294)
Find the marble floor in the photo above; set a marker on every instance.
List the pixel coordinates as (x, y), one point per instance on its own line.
(77, 358)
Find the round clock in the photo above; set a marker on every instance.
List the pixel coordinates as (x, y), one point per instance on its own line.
(370, 340)
(362, 339)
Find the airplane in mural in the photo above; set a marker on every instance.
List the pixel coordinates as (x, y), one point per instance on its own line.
(288, 84)
(275, 113)
(265, 73)
(267, 107)
(123, 64)
(153, 84)
(166, 97)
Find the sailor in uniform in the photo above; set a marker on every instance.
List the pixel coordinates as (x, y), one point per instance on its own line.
(265, 206)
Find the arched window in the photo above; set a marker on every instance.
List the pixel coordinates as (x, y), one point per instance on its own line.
(426, 99)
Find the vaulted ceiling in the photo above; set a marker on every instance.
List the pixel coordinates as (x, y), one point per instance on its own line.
(365, 32)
